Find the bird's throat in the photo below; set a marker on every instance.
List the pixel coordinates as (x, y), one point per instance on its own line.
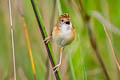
(66, 28)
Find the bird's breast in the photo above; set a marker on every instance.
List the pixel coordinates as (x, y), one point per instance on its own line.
(63, 38)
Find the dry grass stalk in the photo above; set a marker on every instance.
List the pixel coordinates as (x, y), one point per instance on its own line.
(27, 38)
(86, 19)
(12, 39)
(108, 26)
(29, 49)
(113, 51)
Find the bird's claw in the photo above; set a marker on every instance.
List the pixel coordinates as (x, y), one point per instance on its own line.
(56, 68)
(46, 40)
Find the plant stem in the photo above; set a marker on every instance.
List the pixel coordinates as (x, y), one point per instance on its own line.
(52, 18)
(84, 70)
(86, 19)
(27, 38)
(108, 26)
(69, 57)
(12, 39)
(113, 51)
(44, 35)
(59, 7)
(29, 49)
(71, 66)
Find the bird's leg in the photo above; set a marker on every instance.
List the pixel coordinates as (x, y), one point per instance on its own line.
(56, 68)
(47, 39)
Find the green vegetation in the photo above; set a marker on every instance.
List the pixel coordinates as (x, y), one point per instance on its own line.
(79, 59)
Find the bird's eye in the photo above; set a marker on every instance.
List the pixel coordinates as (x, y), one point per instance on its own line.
(68, 22)
(62, 20)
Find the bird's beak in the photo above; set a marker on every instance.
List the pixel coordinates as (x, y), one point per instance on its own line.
(67, 22)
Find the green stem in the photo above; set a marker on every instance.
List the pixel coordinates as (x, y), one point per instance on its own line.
(71, 66)
(84, 70)
(44, 35)
(59, 7)
(69, 57)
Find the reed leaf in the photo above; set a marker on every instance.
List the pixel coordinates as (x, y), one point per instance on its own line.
(29, 49)
(104, 21)
(44, 35)
(113, 51)
(108, 26)
(27, 38)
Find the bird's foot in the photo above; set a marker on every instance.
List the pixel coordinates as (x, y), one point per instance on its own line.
(47, 39)
(56, 68)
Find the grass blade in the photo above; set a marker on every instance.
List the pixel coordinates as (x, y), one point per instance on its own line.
(69, 57)
(12, 39)
(111, 27)
(44, 35)
(71, 66)
(29, 49)
(113, 52)
(86, 19)
(27, 39)
(108, 26)
(84, 71)
(59, 7)
(52, 18)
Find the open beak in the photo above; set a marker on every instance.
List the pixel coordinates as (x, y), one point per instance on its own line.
(67, 22)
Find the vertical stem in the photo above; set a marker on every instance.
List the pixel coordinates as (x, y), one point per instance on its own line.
(27, 38)
(59, 7)
(29, 49)
(69, 57)
(110, 43)
(48, 70)
(44, 35)
(71, 66)
(86, 19)
(52, 18)
(12, 39)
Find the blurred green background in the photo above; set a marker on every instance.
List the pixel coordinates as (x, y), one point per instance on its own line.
(80, 51)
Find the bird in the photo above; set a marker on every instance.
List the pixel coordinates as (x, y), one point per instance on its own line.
(63, 34)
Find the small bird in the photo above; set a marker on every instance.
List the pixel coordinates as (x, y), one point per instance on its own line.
(63, 34)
